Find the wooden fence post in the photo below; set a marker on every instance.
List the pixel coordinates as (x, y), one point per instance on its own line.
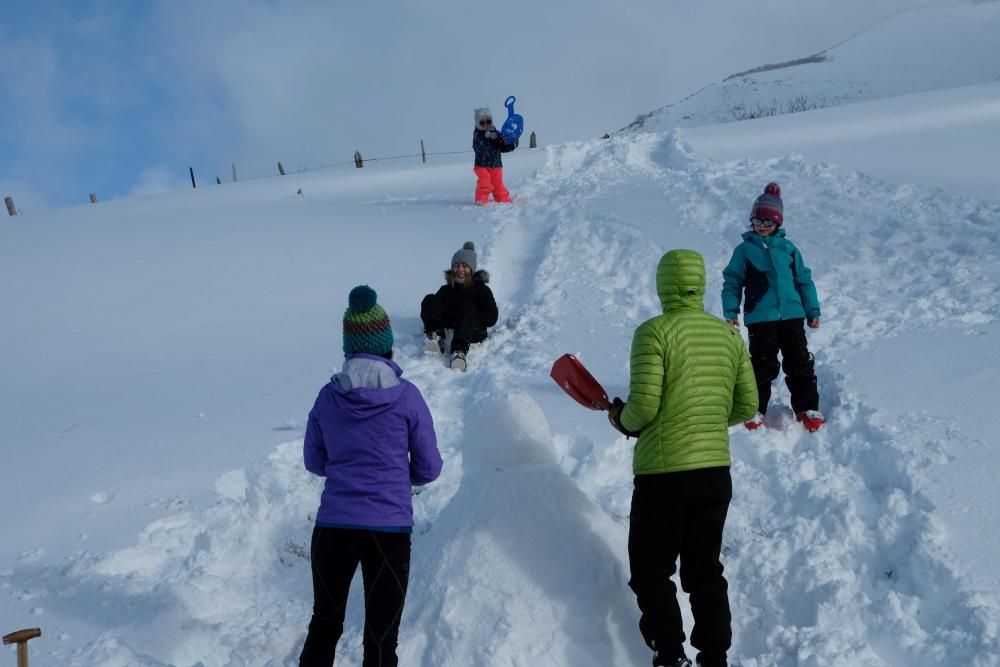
(531, 140)
(193, 184)
(234, 172)
(423, 153)
(358, 162)
(93, 198)
(21, 638)
(10, 205)
(281, 170)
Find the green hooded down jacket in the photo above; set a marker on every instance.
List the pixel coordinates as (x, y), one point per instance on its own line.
(691, 376)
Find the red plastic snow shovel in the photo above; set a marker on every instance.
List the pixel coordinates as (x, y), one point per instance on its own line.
(577, 381)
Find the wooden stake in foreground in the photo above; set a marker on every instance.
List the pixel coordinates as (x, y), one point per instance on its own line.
(21, 638)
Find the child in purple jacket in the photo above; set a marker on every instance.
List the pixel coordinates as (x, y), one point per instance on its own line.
(370, 434)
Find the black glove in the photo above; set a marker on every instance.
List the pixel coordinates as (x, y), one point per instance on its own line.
(614, 416)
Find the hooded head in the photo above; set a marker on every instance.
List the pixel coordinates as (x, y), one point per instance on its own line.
(483, 114)
(768, 206)
(680, 280)
(467, 256)
(366, 325)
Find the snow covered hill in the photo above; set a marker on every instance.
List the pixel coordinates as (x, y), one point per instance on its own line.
(160, 355)
(924, 48)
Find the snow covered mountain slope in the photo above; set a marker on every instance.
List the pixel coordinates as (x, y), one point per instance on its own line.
(160, 356)
(928, 47)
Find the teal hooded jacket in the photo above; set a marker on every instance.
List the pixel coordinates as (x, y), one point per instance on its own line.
(776, 282)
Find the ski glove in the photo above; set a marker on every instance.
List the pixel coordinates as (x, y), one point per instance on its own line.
(614, 415)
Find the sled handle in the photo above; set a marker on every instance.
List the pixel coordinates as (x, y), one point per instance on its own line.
(510, 104)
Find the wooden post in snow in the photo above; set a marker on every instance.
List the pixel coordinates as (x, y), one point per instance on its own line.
(193, 184)
(423, 153)
(358, 162)
(531, 140)
(281, 170)
(10, 205)
(93, 198)
(234, 172)
(21, 638)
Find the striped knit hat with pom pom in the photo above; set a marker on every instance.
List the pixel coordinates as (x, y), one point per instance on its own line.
(366, 326)
(768, 206)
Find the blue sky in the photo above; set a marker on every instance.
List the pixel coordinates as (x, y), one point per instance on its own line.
(120, 98)
(86, 99)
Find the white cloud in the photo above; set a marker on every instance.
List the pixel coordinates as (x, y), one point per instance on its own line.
(96, 92)
(30, 75)
(311, 83)
(155, 180)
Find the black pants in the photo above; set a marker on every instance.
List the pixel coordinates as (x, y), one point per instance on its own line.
(788, 337)
(385, 569)
(681, 514)
(466, 323)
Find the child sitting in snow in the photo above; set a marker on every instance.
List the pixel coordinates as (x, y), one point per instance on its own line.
(779, 297)
(464, 304)
(488, 145)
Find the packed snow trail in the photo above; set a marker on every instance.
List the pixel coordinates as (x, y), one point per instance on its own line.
(833, 555)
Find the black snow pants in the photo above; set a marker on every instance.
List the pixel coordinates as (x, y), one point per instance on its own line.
(788, 337)
(466, 324)
(385, 570)
(681, 514)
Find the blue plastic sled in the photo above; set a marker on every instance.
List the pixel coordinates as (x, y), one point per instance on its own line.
(514, 125)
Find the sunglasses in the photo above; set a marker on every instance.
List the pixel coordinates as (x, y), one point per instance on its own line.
(486, 122)
(766, 224)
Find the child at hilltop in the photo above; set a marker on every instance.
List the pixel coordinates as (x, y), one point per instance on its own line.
(779, 298)
(488, 145)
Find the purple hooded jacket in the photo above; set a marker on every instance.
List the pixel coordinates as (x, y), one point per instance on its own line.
(371, 435)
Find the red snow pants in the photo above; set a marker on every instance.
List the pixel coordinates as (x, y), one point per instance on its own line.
(490, 179)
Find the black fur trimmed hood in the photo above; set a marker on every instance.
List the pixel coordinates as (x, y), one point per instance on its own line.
(480, 276)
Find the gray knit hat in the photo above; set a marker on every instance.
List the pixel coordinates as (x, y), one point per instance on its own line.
(467, 256)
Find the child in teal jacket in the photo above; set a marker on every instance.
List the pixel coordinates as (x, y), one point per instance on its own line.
(779, 298)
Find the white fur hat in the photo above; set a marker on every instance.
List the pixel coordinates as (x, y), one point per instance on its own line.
(483, 112)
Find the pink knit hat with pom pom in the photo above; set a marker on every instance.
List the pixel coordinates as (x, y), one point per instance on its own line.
(768, 206)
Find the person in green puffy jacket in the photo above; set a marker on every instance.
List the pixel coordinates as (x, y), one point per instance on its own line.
(691, 379)
(780, 298)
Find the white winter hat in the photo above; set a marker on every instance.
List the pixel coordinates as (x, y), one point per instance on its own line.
(483, 112)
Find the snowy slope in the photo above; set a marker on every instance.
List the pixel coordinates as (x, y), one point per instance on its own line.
(945, 139)
(927, 47)
(159, 367)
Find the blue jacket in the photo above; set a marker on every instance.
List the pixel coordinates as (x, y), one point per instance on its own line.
(777, 283)
(488, 150)
(371, 435)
